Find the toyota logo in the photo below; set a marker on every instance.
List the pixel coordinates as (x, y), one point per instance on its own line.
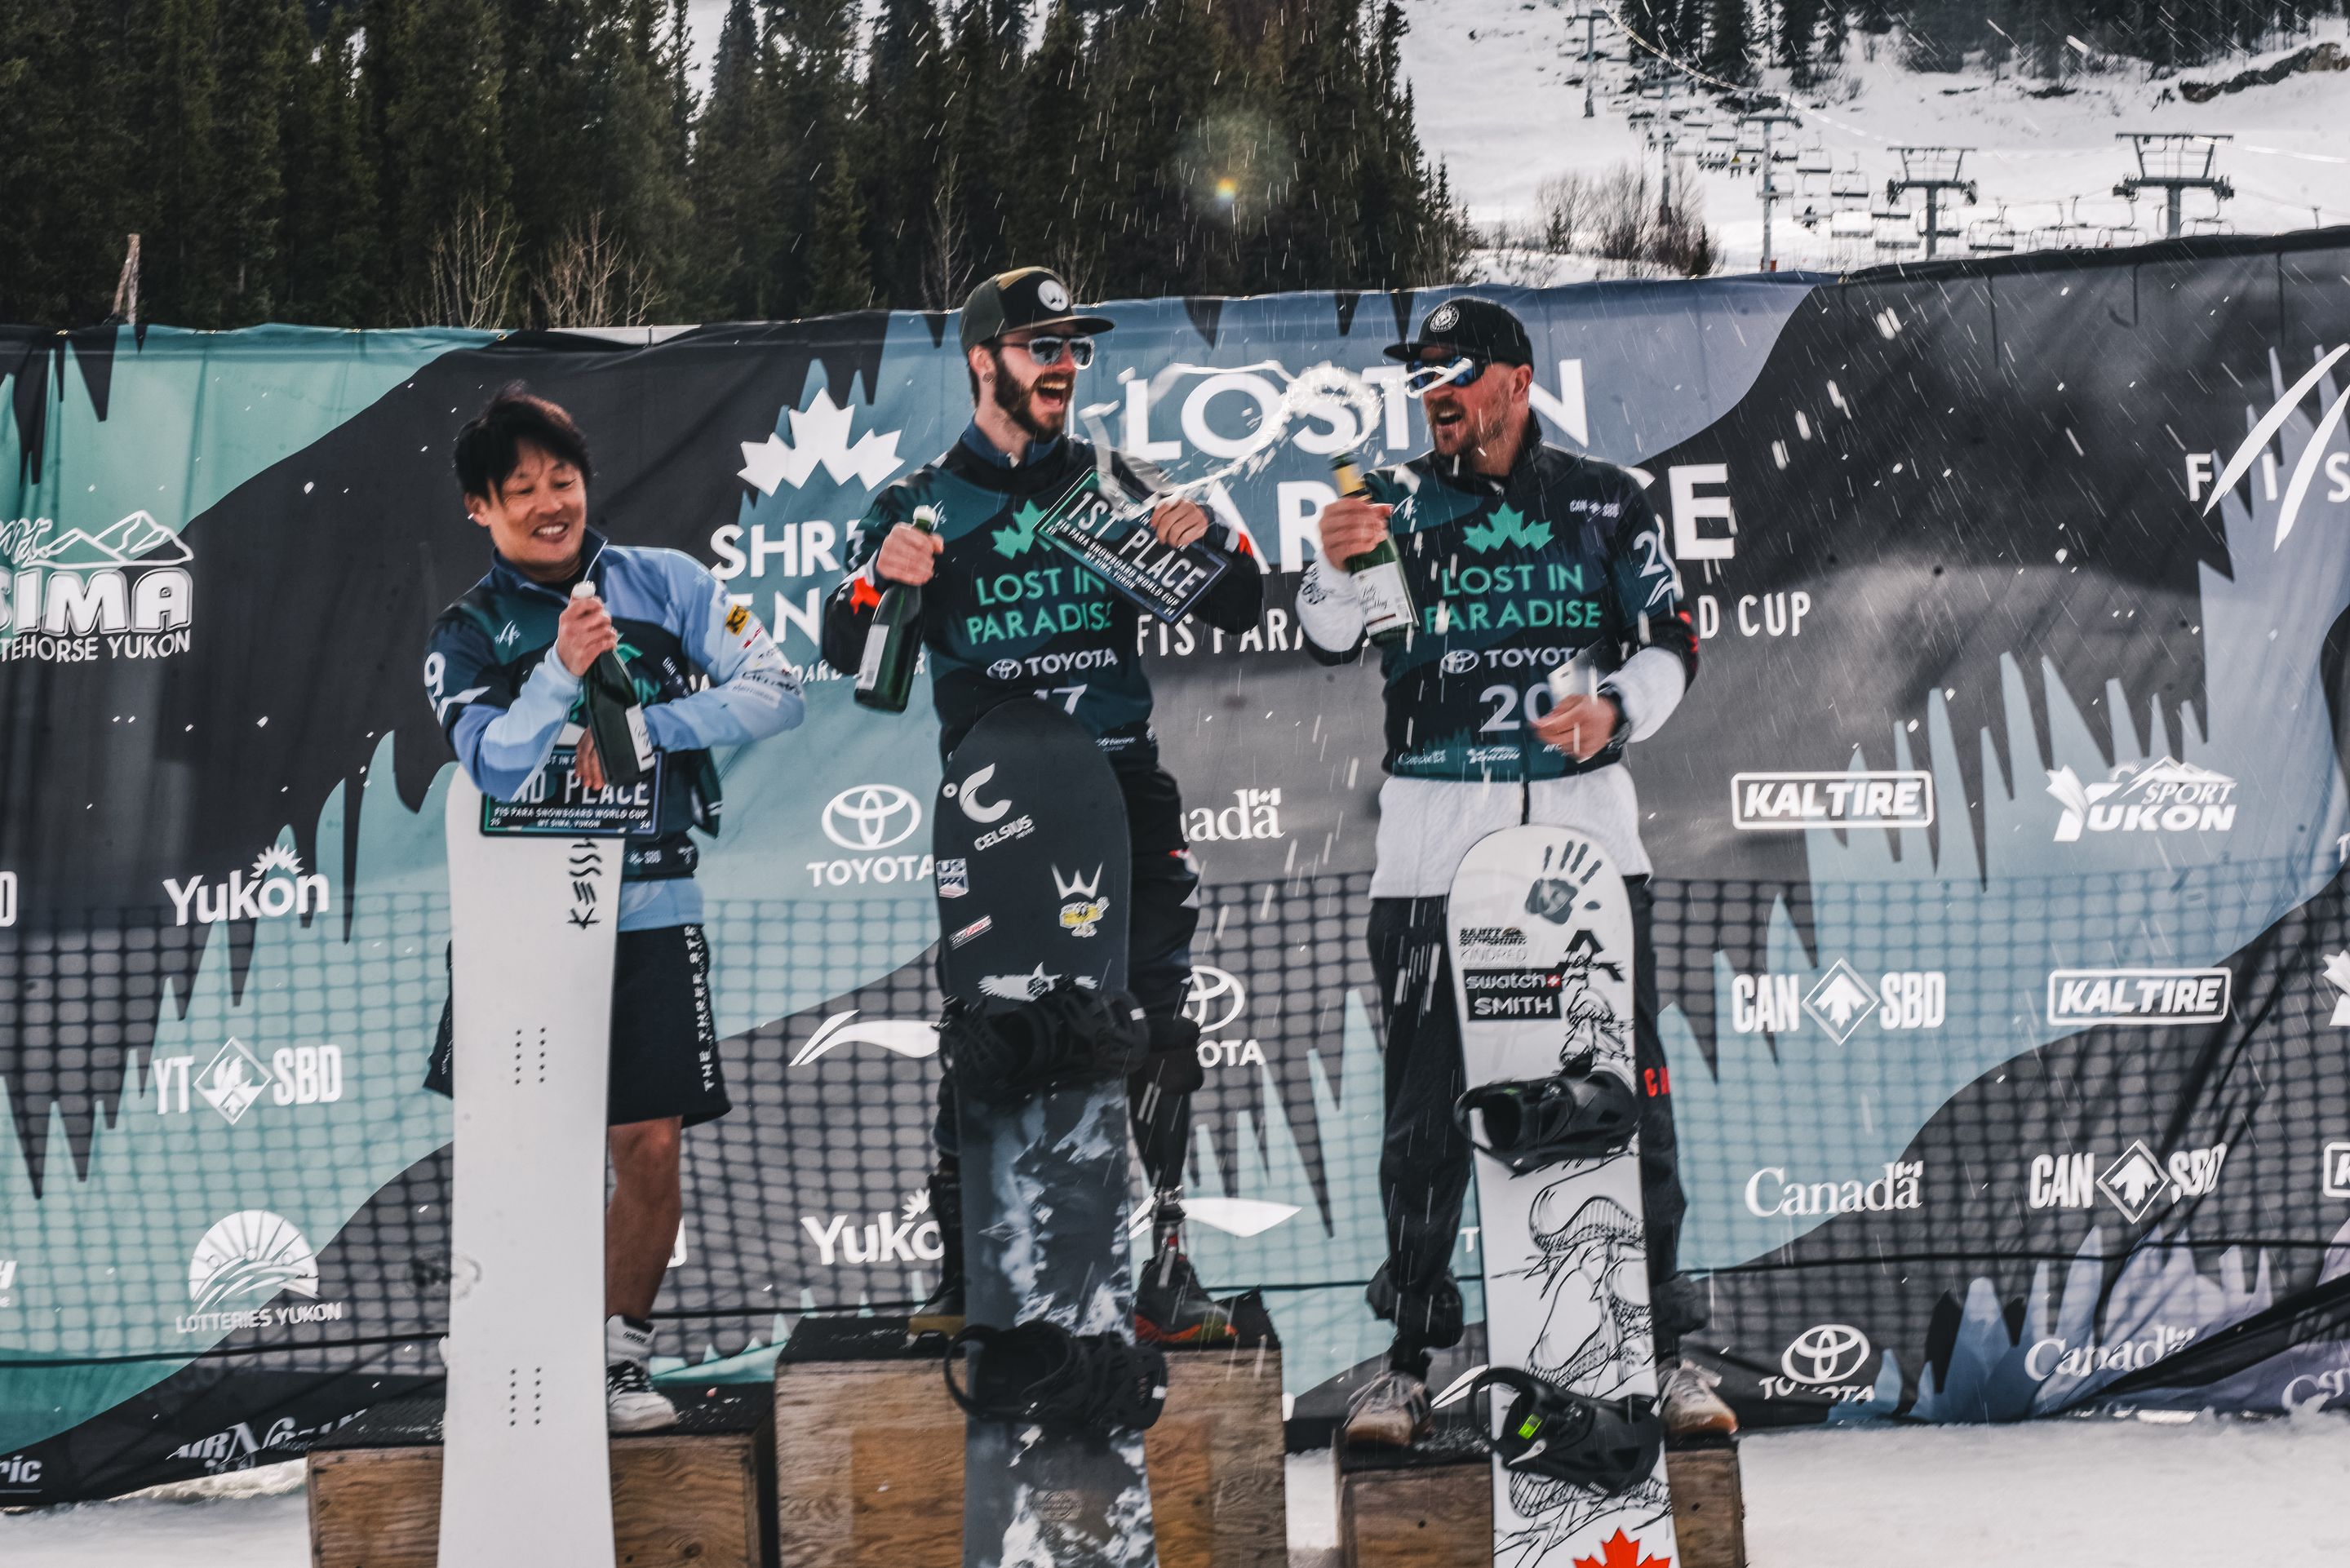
(1003, 670)
(1459, 662)
(1213, 999)
(871, 816)
(1826, 1353)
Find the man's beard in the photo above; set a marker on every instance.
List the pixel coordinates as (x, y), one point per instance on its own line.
(1020, 403)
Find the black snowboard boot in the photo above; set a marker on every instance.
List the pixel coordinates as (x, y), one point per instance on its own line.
(1170, 1306)
(942, 1313)
(1581, 1113)
(1068, 1035)
(1040, 1372)
(1607, 1444)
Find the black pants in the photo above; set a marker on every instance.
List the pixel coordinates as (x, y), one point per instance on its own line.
(1424, 1160)
(1162, 911)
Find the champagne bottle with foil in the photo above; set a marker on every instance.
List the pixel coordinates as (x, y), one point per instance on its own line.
(884, 676)
(1387, 613)
(614, 715)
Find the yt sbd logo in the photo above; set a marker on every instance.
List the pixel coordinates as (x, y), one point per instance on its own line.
(1215, 1000)
(235, 1078)
(1824, 1361)
(2137, 1183)
(865, 820)
(1839, 1002)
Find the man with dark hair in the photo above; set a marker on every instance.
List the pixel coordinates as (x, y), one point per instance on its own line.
(1069, 640)
(504, 675)
(1574, 568)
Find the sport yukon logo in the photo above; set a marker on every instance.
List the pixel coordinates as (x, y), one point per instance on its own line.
(251, 1255)
(278, 887)
(2163, 796)
(819, 435)
(71, 595)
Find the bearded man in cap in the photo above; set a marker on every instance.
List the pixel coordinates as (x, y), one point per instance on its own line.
(1492, 491)
(1070, 641)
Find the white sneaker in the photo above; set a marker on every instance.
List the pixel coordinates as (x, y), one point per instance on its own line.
(631, 1402)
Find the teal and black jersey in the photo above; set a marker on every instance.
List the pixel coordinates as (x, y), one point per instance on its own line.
(1007, 615)
(1511, 577)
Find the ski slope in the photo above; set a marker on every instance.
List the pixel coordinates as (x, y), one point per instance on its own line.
(1497, 85)
(2082, 1493)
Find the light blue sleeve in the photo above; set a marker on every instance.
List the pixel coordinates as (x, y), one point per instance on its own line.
(753, 691)
(503, 749)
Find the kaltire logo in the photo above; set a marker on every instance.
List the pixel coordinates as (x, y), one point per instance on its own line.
(2163, 797)
(74, 596)
(1802, 803)
(1821, 1362)
(909, 1236)
(2336, 1167)
(2139, 998)
(278, 888)
(871, 816)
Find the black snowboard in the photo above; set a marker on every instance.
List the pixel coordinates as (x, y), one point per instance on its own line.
(1032, 866)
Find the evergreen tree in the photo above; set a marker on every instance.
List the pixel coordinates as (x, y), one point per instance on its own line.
(331, 254)
(1799, 30)
(444, 180)
(841, 274)
(1729, 42)
(732, 155)
(179, 160)
(67, 154)
(259, 40)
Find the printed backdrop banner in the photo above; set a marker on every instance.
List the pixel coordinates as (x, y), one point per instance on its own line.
(2002, 938)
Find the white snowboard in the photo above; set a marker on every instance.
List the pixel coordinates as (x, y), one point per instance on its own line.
(1541, 939)
(526, 1476)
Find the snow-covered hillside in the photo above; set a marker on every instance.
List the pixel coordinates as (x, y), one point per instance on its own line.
(1500, 95)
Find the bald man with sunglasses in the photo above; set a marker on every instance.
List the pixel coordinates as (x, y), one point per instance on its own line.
(1045, 629)
(1572, 569)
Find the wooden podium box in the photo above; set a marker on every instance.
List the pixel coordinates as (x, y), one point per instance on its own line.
(1434, 1509)
(699, 1495)
(870, 1454)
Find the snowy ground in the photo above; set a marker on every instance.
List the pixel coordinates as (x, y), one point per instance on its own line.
(2085, 1494)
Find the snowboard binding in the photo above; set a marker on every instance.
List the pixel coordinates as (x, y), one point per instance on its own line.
(1581, 1112)
(1068, 1035)
(1609, 1445)
(1040, 1372)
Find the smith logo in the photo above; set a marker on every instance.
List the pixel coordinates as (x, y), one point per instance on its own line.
(2140, 998)
(2165, 797)
(70, 598)
(1795, 802)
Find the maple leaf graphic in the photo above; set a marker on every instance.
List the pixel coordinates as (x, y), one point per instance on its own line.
(1509, 526)
(1014, 542)
(1620, 1550)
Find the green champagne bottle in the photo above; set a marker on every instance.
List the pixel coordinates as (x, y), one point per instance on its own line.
(615, 717)
(884, 676)
(1388, 616)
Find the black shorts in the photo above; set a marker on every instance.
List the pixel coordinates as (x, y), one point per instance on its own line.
(664, 1036)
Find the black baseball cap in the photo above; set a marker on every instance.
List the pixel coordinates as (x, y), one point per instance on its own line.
(1476, 327)
(1018, 301)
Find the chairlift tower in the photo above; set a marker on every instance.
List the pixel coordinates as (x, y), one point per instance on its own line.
(2173, 162)
(1932, 170)
(1771, 193)
(1590, 16)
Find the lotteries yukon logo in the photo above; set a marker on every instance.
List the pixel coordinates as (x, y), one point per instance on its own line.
(70, 596)
(2139, 998)
(1799, 803)
(2162, 796)
(241, 1264)
(277, 887)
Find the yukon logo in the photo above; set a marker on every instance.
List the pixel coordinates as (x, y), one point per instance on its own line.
(2256, 445)
(819, 435)
(909, 1236)
(1253, 813)
(871, 816)
(1082, 906)
(2163, 796)
(1798, 803)
(2138, 998)
(64, 594)
(278, 887)
(252, 1253)
(1769, 1193)
(901, 1037)
(2135, 1184)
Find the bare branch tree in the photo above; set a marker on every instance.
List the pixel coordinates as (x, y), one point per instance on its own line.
(591, 279)
(469, 273)
(946, 269)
